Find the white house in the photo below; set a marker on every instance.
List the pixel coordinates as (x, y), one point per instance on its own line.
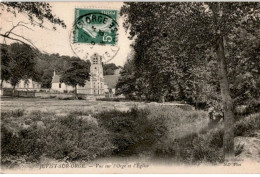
(56, 85)
(28, 85)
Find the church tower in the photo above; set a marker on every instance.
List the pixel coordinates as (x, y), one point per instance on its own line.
(96, 75)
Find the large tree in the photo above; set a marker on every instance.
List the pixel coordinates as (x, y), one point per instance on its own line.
(127, 80)
(5, 60)
(188, 35)
(21, 63)
(109, 69)
(76, 75)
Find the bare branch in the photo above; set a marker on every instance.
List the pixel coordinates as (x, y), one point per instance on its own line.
(27, 27)
(15, 39)
(14, 26)
(5, 36)
(24, 39)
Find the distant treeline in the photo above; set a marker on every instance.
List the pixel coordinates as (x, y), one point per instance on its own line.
(19, 61)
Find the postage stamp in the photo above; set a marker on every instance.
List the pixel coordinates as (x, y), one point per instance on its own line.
(95, 26)
(95, 31)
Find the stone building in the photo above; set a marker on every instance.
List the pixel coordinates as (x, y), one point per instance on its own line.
(95, 85)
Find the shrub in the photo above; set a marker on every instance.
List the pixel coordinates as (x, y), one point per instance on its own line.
(24, 142)
(187, 139)
(72, 138)
(175, 116)
(132, 131)
(67, 98)
(205, 149)
(247, 125)
(13, 113)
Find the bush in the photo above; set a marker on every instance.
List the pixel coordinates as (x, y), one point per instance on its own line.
(206, 149)
(187, 139)
(132, 132)
(13, 113)
(174, 117)
(67, 98)
(194, 148)
(24, 142)
(247, 125)
(251, 107)
(72, 138)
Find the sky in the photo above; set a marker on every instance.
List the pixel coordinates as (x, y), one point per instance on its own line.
(50, 41)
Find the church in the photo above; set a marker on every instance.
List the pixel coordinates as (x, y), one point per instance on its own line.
(95, 86)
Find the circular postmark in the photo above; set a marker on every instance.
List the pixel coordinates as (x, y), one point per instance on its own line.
(95, 31)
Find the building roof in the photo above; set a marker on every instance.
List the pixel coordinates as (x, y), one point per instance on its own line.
(56, 79)
(111, 80)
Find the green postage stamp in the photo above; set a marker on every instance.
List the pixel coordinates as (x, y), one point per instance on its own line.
(95, 26)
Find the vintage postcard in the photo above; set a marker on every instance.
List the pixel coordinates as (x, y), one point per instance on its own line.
(130, 87)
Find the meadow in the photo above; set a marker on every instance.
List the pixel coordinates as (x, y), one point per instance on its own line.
(80, 130)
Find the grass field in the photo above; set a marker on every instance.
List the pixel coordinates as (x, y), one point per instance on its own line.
(62, 106)
(34, 129)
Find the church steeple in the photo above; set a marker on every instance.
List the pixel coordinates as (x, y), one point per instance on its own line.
(96, 72)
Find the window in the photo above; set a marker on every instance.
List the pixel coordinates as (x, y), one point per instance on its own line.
(59, 85)
(95, 60)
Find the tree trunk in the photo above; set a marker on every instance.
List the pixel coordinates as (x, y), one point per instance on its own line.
(76, 94)
(13, 91)
(228, 140)
(2, 81)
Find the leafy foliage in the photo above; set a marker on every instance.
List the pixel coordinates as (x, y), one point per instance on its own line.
(179, 59)
(5, 59)
(109, 69)
(38, 134)
(132, 131)
(76, 74)
(19, 62)
(43, 64)
(175, 41)
(127, 81)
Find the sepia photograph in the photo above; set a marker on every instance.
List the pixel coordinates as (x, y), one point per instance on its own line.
(130, 87)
